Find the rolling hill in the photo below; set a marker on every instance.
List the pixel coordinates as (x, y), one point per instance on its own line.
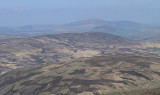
(89, 63)
(50, 49)
(105, 75)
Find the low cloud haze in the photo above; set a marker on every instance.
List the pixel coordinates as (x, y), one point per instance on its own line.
(19, 12)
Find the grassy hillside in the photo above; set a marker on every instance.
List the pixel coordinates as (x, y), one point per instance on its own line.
(87, 76)
(50, 49)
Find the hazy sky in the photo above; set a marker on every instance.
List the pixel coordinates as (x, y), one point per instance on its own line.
(28, 12)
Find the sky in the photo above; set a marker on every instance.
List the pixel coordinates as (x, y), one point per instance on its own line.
(31, 12)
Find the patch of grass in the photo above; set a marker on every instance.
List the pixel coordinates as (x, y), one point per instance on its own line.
(155, 91)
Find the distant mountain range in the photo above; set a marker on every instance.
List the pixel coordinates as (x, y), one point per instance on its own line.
(131, 30)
